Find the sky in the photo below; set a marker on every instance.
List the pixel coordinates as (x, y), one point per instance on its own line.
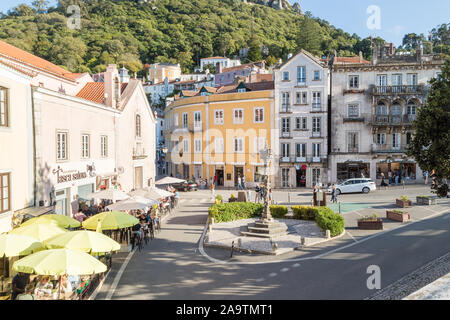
(396, 17)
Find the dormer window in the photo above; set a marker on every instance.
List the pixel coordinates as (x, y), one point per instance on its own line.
(240, 90)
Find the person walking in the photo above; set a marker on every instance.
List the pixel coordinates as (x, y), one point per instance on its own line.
(213, 190)
(239, 181)
(426, 177)
(396, 177)
(257, 194)
(390, 177)
(243, 183)
(383, 183)
(333, 194)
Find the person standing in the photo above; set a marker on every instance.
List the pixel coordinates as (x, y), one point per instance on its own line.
(333, 194)
(396, 177)
(215, 179)
(19, 284)
(257, 193)
(390, 177)
(213, 190)
(426, 177)
(239, 186)
(383, 183)
(243, 182)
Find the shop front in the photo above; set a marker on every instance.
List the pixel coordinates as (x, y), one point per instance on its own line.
(352, 169)
(407, 170)
(300, 175)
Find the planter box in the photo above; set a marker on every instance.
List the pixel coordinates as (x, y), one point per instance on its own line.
(425, 201)
(370, 225)
(403, 204)
(401, 217)
(232, 200)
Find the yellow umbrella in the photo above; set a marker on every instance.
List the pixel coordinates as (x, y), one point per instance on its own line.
(86, 241)
(60, 220)
(14, 245)
(110, 220)
(57, 262)
(41, 232)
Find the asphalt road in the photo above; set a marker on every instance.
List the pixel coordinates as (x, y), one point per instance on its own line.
(171, 266)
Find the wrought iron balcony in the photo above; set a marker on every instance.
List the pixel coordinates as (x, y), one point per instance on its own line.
(389, 148)
(139, 153)
(385, 119)
(395, 90)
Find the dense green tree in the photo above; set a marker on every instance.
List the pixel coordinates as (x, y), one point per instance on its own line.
(309, 36)
(430, 145)
(40, 5)
(254, 50)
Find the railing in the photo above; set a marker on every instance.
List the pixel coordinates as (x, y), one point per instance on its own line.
(139, 153)
(380, 119)
(286, 108)
(389, 148)
(316, 106)
(316, 134)
(408, 89)
(285, 134)
(307, 159)
(353, 148)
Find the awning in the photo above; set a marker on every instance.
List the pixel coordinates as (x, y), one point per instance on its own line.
(36, 211)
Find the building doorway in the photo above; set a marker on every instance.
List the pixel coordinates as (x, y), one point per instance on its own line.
(238, 171)
(186, 171)
(220, 177)
(285, 178)
(138, 177)
(301, 176)
(61, 202)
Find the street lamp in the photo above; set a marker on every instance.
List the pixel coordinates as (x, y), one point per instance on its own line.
(267, 156)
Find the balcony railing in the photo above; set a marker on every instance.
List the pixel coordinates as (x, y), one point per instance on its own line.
(286, 134)
(389, 148)
(139, 153)
(384, 119)
(316, 107)
(353, 148)
(388, 90)
(316, 134)
(286, 108)
(307, 159)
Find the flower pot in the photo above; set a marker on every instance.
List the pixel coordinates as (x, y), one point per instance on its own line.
(370, 224)
(396, 216)
(402, 203)
(425, 200)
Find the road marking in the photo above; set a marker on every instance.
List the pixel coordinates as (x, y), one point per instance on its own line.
(119, 275)
(296, 265)
(273, 274)
(259, 280)
(284, 270)
(428, 209)
(214, 260)
(351, 236)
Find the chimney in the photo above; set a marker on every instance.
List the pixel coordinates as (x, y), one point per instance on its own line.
(111, 79)
(218, 67)
(361, 57)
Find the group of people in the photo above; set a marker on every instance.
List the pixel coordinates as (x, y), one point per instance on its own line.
(260, 193)
(24, 289)
(393, 177)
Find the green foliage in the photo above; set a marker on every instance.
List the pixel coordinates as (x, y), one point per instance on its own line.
(404, 198)
(309, 36)
(254, 51)
(227, 212)
(373, 217)
(219, 199)
(304, 212)
(278, 211)
(430, 145)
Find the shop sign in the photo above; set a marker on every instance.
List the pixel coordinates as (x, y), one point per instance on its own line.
(73, 175)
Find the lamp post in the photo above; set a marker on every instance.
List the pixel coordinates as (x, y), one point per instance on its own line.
(267, 156)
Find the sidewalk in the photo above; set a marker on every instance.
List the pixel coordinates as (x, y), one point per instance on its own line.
(437, 290)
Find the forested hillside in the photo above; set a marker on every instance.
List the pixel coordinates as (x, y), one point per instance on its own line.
(134, 33)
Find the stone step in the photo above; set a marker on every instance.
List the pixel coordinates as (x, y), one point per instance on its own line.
(267, 230)
(263, 235)
(268, 225)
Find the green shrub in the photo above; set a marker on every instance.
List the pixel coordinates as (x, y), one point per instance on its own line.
(278, 211)
(327, 219)
(219, 198)
(226, 212)
(404, 198)
(304, 212)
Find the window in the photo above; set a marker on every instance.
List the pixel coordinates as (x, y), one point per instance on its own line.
(138, 125)
(197, 145)
(238, 116)
(239, 145)
(61, 146)
(259, 115)
(396, 141)
(316, 150)
(218, 117)
(104, 146)
(381, 83)
(316, 105)
(301, 75)
(315, 176)
(411, 79)
(353, 110)
(396, 83)
(197, 119)
(259, 174)
(285, 126)
(316, 126)
(85, 146)
(300, 123)
(285, 76)
(353, 82)
(300, 150)
(259, 143)
(285, 102)
(285, 150)
(316, 75)
(241, 90)
(352, 141)
(5, 191)
(408, 138)
(185, 120)
(218, 145)
(298, 98)
(185, 145)
(4, 121)
(381, 138)
(304, 97)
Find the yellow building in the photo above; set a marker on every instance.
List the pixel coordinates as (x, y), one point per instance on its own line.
(220, 132)
(159, 71)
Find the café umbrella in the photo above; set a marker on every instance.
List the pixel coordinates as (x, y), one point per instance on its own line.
(169, 180)
(83, 240)
(40, 232)
(134, 203)
(61, 221)
(110, 220)
(110, 194)
(58, 262)
(151, 193)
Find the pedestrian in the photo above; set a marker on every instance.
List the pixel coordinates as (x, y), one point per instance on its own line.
(270, 196)
(383, 183)
(390, 177)
(243, 182)
(396, 177)
(426, 177)
(19, 284)
(213, 190)
(239, 181)
(215, 179)
(333, 194)
(257, 194)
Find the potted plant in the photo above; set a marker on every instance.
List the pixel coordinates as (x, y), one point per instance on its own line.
(426, 200)
(370, 223)
(219, 199)
(403, 202)
(398, 215)
(232, 198)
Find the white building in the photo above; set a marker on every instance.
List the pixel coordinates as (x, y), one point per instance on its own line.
(224, 62)
(301, 109)
(159, 91)
(373, 106)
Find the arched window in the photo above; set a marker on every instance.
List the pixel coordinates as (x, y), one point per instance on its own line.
(411, 110)
(138, 125)
(381, 109)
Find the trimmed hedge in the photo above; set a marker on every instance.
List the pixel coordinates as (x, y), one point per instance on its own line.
(278, 211)
(226, 212)
(325, 218)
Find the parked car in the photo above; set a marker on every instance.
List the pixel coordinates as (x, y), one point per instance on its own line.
(364, 185)
(186, 186)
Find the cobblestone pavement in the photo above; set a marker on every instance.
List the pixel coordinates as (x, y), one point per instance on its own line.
(408, 287)
(223, 234)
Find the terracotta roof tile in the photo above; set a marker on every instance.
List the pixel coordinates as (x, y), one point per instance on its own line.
(350, 60)
(95, 91)
(22, 56)
(213, 58)
(30, 74)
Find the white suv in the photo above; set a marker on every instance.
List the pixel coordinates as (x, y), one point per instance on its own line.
(364, 185)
